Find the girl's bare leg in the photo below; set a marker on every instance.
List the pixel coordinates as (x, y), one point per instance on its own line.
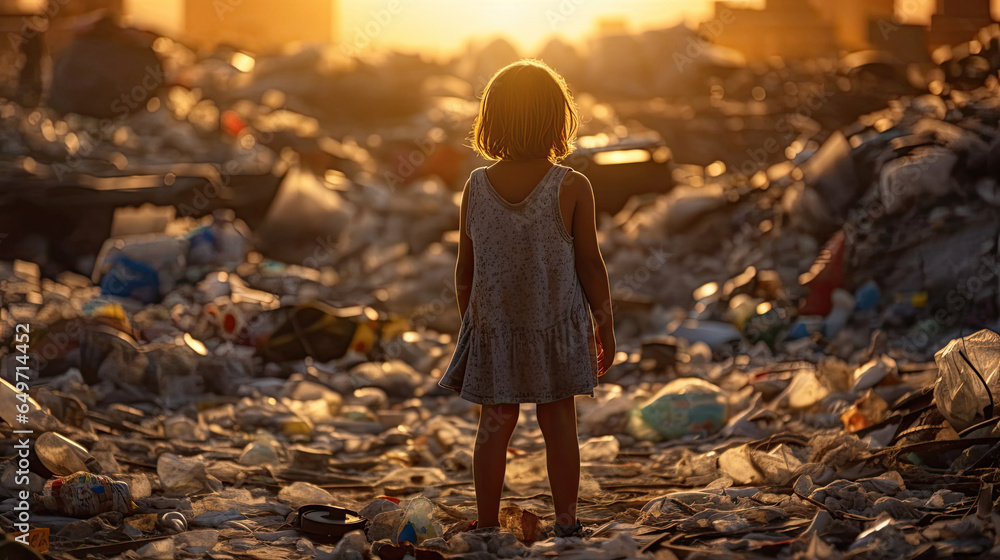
(489, 460)
(562, 455)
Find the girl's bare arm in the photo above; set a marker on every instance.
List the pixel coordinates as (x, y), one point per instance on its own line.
(464, 266)
(589, 262)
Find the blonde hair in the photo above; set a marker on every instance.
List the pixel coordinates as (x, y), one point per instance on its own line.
(526, 112)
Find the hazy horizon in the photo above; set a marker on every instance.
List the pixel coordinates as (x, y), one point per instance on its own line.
(443, 25)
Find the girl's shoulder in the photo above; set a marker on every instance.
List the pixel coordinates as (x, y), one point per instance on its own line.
(477, 173)
(575, 181)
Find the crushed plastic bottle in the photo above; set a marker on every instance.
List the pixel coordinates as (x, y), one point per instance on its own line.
(84, 494)
(683, 407)
(64, 456)
(417, 524)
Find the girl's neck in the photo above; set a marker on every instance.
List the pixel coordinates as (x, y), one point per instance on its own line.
(534, 162)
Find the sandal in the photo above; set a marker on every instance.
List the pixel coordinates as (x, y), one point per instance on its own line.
(564, 531)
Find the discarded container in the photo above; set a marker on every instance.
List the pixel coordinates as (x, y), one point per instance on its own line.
(64, 456)
(867, 296)
(328, 524)
(683, 407)
(417, 524)
(131, 279)
(823, 277)
(143, 267)
(84, 494)
(765, 327)
(842, 306)
(804, 326)
(313, 329)
(968, 385)
(873, 372)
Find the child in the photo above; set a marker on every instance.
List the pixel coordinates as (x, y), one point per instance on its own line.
(528, 266)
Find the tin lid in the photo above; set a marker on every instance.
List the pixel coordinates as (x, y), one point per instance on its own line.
(329, 521)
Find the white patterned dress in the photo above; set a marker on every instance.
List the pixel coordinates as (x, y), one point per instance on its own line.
(527, 334)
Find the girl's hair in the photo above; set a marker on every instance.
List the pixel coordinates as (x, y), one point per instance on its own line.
(526, 112)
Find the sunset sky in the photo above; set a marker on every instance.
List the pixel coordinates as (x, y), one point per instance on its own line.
(445, 24)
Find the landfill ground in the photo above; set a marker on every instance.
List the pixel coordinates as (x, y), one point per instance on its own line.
(805, 291)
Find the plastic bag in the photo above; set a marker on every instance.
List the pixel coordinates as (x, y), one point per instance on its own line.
(968, 383)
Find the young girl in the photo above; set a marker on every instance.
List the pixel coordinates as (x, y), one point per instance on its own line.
(531, 284)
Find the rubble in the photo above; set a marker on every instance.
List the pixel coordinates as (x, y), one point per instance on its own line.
(275, 343)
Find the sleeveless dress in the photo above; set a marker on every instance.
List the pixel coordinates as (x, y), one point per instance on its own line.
(528, 332)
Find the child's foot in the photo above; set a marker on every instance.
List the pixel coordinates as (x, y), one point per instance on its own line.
(564, 531)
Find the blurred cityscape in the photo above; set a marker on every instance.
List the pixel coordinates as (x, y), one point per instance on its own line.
(234, 239)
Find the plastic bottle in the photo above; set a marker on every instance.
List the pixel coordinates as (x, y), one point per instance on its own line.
(417, 524)
(64, 456)
(85, 495)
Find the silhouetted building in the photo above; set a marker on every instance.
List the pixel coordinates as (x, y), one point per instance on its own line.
(259, 25)
(851, 20)
(957, 21)
(787, 28)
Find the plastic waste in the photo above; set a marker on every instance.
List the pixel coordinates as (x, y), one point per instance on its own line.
(873, 372)
(263, 451)
(312, 329)
(804, 326)
(197, 542)
(524, 524)
(600, 449)
(223, 242)
(805, 390)
(683, 407)
(377, 506)
(184, 475)
(130, 278)
(415, 476)
(183, 428)
(765, 327)
(867, 296)
(158, 550)
(351, 546)
(716, 334)
(22, 412)
(84, 494)
(823, 277)
(144, 267)
(968, 385)
(64, 456)
(417, 524)
(526, 474)
(173, 522)
(300, 493)
(385, 525)
(843, 306)
(395, 377)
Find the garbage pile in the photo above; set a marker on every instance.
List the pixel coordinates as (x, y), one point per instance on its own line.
(807, 368)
